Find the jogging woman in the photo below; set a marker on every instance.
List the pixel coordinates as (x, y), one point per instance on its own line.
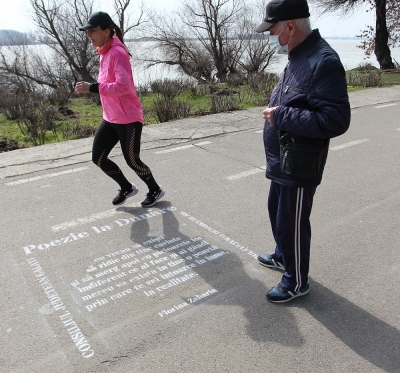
(122, 109)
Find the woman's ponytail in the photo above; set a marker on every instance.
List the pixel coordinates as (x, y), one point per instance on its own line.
(118, 32)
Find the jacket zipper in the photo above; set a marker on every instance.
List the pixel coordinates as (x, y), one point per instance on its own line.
(283, 81)
(287, 89)
(280, 94)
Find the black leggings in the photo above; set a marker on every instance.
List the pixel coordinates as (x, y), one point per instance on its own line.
(106, 137)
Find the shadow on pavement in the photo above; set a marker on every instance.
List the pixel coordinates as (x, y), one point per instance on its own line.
(371, 338)
(234, 286)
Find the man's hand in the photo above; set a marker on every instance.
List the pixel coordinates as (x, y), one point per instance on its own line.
(82, 87)
(268, 114)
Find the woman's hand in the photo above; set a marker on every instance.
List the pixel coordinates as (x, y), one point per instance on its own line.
(82, 87)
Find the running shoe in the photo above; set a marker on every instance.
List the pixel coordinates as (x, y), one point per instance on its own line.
(267, 261)
(123, 195)
(153, 197)
(281, 294)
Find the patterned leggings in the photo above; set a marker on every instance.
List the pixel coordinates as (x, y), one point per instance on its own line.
(106, 137)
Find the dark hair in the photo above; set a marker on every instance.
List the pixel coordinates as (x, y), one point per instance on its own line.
(116, 31)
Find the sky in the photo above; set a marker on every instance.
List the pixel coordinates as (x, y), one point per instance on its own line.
(14, 15)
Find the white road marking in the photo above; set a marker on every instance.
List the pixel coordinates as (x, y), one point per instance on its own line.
(397, 129)
(246, 173)
(91, 218)
(54, 174)
(260, 131)
(381, 106)
(174, 149)
(348, 144)
(183, 147)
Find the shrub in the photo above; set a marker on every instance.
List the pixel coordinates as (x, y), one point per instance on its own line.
(71, 128)
(32, 112)
(143, 90)
(167, 109)
(168, 89)
(198, 90)
(365, 66)
(236, 80)
(9, 144)
(262, 83)
(223, 103)
(365, 79)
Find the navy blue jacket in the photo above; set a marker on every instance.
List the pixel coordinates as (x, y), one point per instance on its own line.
(312, 102)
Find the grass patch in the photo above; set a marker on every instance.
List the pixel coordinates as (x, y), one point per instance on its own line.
(393, 78)
(85, 113)
(89, 113)
(8, 128)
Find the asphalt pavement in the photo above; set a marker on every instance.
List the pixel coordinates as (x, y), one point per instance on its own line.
(87, 287)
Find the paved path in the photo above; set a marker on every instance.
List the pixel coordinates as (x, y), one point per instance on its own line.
(89, 288)
(24, 161)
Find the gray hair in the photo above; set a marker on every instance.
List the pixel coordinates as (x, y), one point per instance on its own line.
(303, 24)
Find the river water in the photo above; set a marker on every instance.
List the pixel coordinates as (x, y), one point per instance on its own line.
(350, 55)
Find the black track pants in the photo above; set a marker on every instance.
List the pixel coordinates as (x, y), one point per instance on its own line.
(289, 212)
(106, 137)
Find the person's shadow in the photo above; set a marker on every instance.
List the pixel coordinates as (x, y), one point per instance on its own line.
(227, 275)
(371, 338)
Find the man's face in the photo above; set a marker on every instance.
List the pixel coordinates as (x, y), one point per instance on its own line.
(275, 29)
(98, 36)
(283, 33)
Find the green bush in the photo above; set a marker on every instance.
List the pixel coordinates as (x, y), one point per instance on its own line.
(162, 101)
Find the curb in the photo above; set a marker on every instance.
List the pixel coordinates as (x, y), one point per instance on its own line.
(25, 161)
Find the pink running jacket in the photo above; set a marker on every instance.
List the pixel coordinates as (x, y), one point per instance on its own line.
(117, 89)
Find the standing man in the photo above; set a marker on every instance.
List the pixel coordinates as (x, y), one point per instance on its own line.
(309, 104)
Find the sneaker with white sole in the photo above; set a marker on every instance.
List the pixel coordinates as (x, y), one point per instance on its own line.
(267, 261)
(153, 197)
(123, 195)
(281, 294)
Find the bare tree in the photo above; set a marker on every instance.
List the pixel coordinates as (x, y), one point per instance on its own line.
(20, 61)
(381, 31)
(393, 27)
(175, 48)
(258, 53)
(69, 56)
(63, 54)
(209, 38)
(59, 21)
(216, 25)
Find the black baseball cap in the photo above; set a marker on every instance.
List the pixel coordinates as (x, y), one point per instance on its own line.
(98, 19)
(283, 10)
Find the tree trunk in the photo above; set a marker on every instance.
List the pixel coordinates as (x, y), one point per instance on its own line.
(382, 51)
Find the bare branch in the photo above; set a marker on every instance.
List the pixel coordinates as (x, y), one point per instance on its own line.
(379, 38)
(124, 17)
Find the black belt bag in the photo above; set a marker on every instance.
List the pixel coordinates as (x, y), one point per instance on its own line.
(300, 157)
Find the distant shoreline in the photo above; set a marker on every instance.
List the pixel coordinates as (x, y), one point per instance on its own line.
(16, 38)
